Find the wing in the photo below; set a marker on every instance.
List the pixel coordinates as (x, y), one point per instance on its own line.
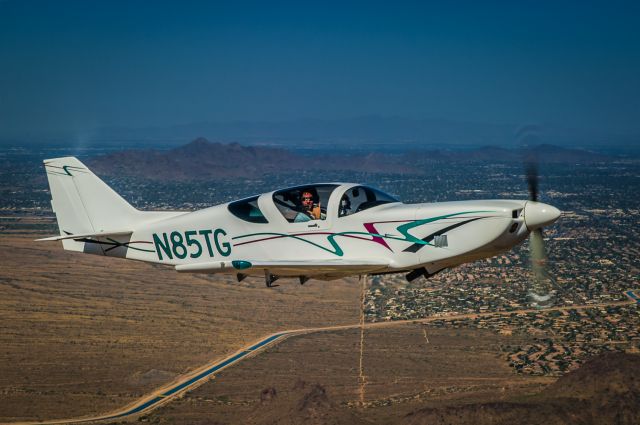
(287, 268)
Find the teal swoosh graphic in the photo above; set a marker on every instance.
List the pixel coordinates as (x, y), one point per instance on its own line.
(338, 251)
(404, 228)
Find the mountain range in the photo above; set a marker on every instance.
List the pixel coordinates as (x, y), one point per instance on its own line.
(370, 129)
(204, 160)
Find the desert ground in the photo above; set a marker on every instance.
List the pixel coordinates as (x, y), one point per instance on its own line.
(405, 367)
(83, 334)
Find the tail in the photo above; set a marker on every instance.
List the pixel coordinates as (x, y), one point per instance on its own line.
(84, 204)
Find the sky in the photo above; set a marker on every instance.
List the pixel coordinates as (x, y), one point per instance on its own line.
(70, 67)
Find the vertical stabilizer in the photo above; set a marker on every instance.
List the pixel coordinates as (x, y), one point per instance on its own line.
(83, 203)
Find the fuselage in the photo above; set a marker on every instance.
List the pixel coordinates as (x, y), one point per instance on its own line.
(432, 236)
(322, 231)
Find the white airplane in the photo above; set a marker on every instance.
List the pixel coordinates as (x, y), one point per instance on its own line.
(321, 231)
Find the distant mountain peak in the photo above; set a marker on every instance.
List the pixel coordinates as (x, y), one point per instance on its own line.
(199, 141)
(197, 145)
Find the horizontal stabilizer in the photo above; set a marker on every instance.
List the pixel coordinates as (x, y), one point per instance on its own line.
(286, 267)
(88, 235)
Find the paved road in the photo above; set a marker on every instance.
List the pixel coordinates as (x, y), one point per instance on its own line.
(189, 382)
(162, 396)
(633, 296)
(200, 377)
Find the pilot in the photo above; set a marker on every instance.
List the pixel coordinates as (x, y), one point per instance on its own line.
(310, 209)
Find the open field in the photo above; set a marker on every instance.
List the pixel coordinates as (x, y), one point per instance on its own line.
(83, 334)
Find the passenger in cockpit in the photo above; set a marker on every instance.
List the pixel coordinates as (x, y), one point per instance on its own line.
(345, 206)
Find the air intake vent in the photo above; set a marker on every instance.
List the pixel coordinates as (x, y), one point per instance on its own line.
(440, 241)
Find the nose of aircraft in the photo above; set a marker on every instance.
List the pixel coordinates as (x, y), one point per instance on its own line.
(537, 214)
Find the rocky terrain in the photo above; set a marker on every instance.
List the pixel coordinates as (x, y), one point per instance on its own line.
(605, 390)
(312, 407)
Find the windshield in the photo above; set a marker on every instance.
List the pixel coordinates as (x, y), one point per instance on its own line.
(362, 198)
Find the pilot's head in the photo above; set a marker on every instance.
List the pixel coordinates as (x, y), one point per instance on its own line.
(307, 200)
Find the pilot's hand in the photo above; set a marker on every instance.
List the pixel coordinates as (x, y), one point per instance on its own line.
(316, 212)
